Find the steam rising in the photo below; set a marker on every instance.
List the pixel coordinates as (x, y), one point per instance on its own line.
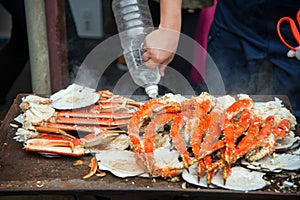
(103, 55)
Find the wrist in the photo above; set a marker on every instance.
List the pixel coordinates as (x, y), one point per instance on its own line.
(170, 27)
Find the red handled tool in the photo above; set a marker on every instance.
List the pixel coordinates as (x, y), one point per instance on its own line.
(294, 29)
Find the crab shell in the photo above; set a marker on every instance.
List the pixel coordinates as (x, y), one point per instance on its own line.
(275, 163)
(123, 164)
(190, 175)
(74, 96)
(240, 179)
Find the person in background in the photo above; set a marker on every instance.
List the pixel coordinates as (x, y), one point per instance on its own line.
(206, 17)
(244, 44)
(15, 54)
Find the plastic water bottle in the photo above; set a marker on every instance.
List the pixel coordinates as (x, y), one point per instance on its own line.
(134, 22)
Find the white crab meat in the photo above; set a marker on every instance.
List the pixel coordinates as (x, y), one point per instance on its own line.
(276, 162)
(169, 97)
(30, 100)
(107, 141)
(22, 134)
(223, 102)
(240, 179)
(74, 96)
(191, 176)
(163, 141)
(38, 113)
(120, 163)
(36, 109)
(276, 108)
(167, 158)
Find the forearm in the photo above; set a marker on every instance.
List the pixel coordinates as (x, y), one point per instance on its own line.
(161, 44)
(170, 14)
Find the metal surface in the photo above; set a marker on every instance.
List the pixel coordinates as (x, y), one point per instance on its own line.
(30, 173)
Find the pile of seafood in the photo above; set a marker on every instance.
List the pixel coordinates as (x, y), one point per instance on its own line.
(204, 139)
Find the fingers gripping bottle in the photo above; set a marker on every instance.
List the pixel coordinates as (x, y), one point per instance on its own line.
(134, 22)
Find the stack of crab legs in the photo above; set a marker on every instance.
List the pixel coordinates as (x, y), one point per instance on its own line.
(207, 127)
(50, 131)
(212, 132)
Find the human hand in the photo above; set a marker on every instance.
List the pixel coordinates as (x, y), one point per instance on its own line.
(293, 53)
(160, 48)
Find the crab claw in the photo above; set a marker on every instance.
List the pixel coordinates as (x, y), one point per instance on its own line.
(59, 147)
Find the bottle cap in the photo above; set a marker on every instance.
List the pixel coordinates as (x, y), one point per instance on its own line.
(152, 91)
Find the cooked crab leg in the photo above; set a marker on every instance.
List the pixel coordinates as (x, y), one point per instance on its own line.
(114, 103)
(104, 94)
(282, 129)
(212, 134)
(53, 130)
(203, 126)
(58, 144)
(72, 127)
(246, 144)
(52, 141)
(136, 121)
(167, 172)
(93, 168)
(264, 133)
(177, 138)
(219, 164)
(210, 166)
(58, 147)
(232, 130)
(104, 115)
(113, 107)
(265, 142)
(151, 107)
(149, 141)
(92, 121)
(191, 109)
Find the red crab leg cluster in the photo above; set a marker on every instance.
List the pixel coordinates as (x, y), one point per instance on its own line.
(231, 133)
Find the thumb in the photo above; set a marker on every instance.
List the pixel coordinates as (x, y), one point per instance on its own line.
(161, 70)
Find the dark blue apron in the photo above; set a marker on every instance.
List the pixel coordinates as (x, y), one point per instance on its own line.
(244, 44)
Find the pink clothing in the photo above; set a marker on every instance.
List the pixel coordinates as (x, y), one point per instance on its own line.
(205, 20)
